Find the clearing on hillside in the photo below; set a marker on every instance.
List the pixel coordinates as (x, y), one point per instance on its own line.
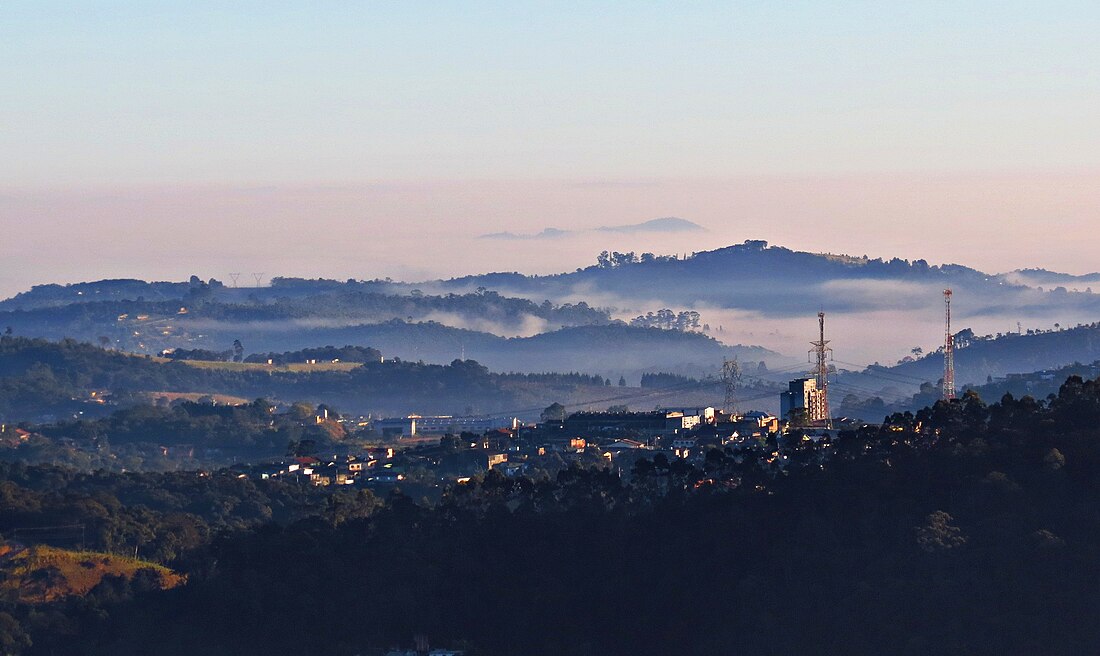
(42, 574)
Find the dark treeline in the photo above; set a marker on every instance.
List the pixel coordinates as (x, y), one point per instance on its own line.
(965, 528)
(199, 424)
(163, 517)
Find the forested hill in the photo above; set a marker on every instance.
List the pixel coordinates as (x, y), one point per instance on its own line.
(778, 281)
(978, 358)
(321, 302)
(42, 380)
(607, 348)
(505, 333)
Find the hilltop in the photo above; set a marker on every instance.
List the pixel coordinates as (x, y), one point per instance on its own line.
(781, 281)
(43, 574)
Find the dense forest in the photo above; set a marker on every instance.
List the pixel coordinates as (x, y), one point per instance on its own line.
(964, 528)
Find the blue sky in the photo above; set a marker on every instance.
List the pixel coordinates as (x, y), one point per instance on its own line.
(170, 101)
(125, 93)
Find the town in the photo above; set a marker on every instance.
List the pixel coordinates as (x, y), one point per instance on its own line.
(435, 451)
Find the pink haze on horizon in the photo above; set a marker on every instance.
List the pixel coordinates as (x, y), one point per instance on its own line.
(419, 230)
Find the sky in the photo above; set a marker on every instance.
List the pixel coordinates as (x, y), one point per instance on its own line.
(372, 139)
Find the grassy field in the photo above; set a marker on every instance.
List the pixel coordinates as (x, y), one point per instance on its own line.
(41, 574)
(256, 366)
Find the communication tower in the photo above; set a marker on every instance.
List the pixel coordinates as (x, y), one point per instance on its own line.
(823, 353)
(948, 350)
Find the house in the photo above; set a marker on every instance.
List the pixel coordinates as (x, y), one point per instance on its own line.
(382, 453)
(624, 445)
(755, 424)
(271, 470)
(704, 414)
(684, 442)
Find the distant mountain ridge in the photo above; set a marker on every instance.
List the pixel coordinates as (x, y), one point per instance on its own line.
(666, 224)
(782, 282)
(438, 320)
(1037, 277)
(752, 275)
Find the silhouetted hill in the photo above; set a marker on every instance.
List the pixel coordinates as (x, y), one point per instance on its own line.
(1052, 279)
(982, 357)
(780, 281)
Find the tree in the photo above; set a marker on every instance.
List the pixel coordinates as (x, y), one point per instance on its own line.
(797, 417)
(301, 411)
(937, 533)
(553, 412)
(622, 381)
(238, 351)
(13, 639)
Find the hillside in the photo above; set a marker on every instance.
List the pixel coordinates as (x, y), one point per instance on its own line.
(607, 348)
(781, 282)
(981, 358)
(505, 333)
(43, 574)
(345, 303)
(950, 532)
(42, 380)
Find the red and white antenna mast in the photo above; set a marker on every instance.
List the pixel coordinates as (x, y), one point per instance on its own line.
(821, 371)
(948, 351)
